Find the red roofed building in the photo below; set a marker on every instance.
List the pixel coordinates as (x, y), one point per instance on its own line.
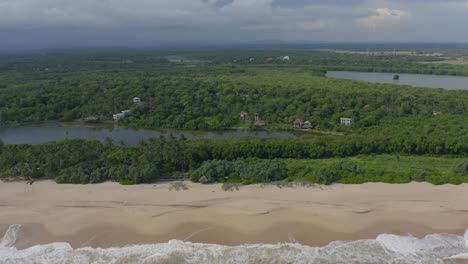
(298, 123)
(244, 115)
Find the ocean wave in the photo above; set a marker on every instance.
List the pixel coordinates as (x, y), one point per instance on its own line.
(437, 248)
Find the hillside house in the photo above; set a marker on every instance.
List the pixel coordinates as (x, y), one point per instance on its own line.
(301, 124)
(121, 115)
(298, 123)
(136, 100)
(258, 121)
(307, 124)
(345, 121)
(244, 115)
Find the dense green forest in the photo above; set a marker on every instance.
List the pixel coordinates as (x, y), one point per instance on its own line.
(234, 160)
(208, 89)
(212, 100)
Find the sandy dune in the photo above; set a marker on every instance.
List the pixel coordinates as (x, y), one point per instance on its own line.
(109, 214)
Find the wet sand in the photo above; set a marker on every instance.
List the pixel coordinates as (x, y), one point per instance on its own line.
(108, 215)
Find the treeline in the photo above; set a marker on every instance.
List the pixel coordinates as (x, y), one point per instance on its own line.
(346, 59)
(80, 161)
(246, 171)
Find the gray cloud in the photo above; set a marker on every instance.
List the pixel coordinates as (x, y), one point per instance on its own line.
(101, 22)
(302, 3)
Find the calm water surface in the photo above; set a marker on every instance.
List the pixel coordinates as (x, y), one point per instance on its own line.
(43, 133)
(420, 80)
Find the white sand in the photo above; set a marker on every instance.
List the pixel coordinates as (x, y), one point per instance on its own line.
(113, 215)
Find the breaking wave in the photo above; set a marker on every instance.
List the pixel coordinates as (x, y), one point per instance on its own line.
(437, 248)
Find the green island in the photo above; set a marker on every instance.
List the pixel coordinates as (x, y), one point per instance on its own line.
(351, 131)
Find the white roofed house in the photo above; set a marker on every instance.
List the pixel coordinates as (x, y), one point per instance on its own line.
(345, 121)
(118, 116)
(307, 124)
(121, 115)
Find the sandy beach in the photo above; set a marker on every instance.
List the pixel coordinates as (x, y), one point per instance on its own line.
(108, 214)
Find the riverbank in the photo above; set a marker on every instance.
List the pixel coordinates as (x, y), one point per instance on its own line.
(107, 215)
(54, 131)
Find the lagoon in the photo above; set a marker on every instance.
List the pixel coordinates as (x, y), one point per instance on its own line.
(47, 132)
(418, 80)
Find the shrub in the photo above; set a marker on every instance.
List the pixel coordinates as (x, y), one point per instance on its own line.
(419, 176)
(348, 165)
(118, 173)
(444, 179)
(461, 167)
(328, 176)
(213, 170)
(261, 170)
(76, 175)
(143, 173)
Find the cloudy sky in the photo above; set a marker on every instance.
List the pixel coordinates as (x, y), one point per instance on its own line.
(57, 23)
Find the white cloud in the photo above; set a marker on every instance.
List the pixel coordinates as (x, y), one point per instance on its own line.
(382, 16)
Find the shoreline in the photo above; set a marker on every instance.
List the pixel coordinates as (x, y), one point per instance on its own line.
(115, 236)
(111, 215)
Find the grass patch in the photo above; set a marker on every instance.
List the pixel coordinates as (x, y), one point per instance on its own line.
(376, 168)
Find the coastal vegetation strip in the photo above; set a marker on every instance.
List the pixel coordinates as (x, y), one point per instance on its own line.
(243, 161)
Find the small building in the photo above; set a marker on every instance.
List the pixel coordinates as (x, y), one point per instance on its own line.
(307, 124)
(121, 115)
(258, 121)
(298, 123)
(244, 115)
(136, 100)
(301, 124)
(346, 121)
(437, 113)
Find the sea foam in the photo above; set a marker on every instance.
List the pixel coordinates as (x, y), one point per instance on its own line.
(437, 248)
